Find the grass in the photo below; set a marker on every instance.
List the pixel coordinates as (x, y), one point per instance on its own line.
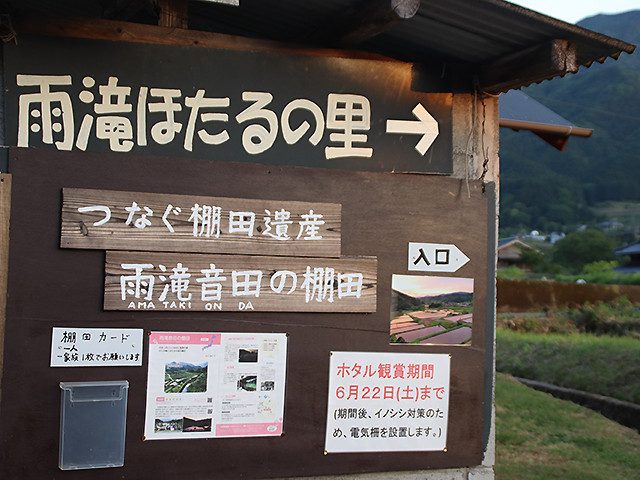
(540, 437)
(551, 322)
(598, 364)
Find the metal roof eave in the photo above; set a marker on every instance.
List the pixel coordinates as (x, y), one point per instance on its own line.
(505, 45)
(518, 111)
(555, 135)
(557, 130)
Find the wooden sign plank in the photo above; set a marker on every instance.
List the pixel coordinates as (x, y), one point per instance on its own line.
(102, 219)
(229, 283)
(267, 107)
(5, 214)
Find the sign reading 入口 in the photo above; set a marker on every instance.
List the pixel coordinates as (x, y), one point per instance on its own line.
(435, 257)
(259, 107)
(387, 402)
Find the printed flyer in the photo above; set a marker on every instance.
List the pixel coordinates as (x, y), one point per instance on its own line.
(203, 385)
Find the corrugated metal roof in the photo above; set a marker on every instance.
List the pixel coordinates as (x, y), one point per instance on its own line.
(519, 111)
(516, 105)
(471, 32)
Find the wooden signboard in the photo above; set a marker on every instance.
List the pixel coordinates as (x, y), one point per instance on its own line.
(99, 219)
(381, 214)
(183, 282)
(273, 108)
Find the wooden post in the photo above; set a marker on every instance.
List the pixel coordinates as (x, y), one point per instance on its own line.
(174, 13)
(5, 211)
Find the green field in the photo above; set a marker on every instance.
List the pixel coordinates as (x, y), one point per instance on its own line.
(603, 365)
(540, 437)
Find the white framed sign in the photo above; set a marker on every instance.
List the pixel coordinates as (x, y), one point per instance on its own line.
(96, 347)
(435, 257)
(387, 402)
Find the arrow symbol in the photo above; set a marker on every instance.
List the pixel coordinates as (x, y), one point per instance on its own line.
(426, 126)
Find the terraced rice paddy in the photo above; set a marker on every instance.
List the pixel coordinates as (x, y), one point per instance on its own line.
(416, 327)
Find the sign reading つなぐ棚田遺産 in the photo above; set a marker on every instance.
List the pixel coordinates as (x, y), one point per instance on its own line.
(245, 106)
(102, 219)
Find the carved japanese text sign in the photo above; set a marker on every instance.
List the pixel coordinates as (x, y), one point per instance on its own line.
(188, 282)
(102, 219)
(272, 108)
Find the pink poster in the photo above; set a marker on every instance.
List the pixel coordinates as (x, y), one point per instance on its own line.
(203, 385)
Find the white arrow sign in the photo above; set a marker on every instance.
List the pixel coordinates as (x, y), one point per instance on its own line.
(435, 257)
(426, 126)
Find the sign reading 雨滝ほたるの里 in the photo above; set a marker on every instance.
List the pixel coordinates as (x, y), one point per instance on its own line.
(245, 106)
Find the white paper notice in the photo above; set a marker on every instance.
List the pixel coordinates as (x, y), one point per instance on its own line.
(204, 385)
(387, 402)
(96, 347)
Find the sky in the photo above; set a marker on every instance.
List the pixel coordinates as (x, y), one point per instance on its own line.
(420, 286)
(573, 11)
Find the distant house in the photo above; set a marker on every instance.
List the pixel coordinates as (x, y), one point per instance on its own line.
(633, 252)
(510, 251)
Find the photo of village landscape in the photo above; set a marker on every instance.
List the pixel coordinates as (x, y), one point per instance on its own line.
(167, 425)
(431, 310)
(182, 377)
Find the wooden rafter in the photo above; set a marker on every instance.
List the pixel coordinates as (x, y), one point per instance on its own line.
(174, 13)
(363, 21)
(541, 62)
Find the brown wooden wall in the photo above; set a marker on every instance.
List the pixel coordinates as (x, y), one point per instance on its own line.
(533, 296)
(49, 286)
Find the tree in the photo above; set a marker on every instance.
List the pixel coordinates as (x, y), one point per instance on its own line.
(580, 248)
(531, 257)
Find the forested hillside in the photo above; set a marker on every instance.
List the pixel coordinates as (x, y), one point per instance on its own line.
(544, 189)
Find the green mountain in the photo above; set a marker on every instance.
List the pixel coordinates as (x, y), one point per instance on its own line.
(544, 189)
(405, 302)
(457, 297)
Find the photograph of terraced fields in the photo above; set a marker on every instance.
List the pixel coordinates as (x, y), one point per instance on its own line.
(431, 310)
(182, 377)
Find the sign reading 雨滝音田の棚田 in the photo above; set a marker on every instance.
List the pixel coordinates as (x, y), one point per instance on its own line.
(190, 282)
